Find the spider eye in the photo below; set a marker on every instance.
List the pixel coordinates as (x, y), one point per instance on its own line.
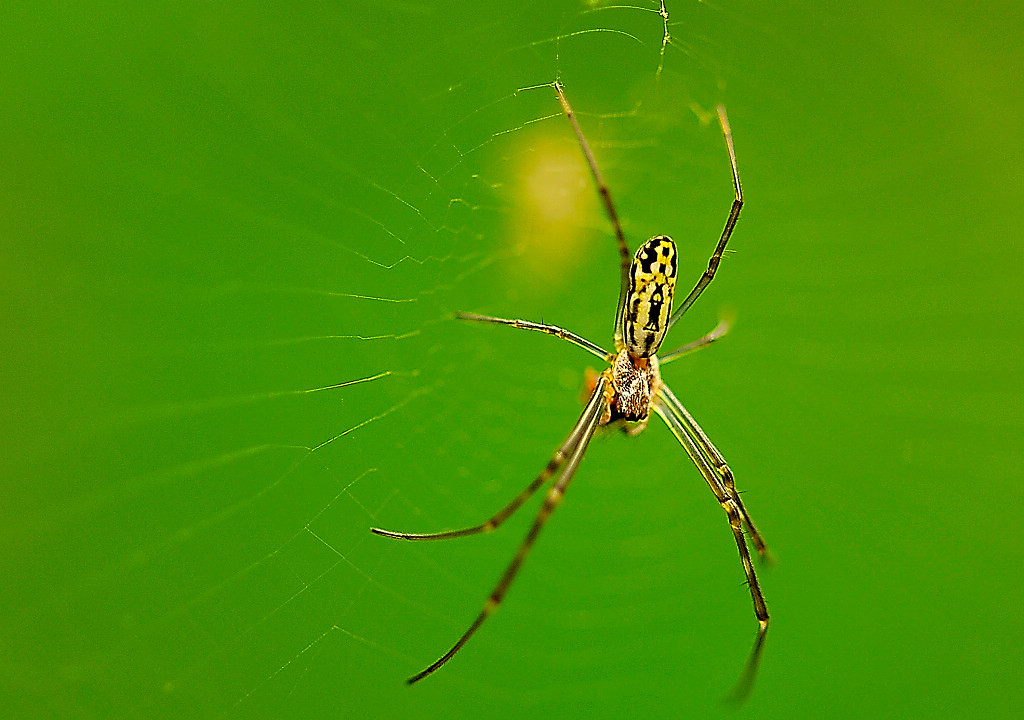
(652, 281)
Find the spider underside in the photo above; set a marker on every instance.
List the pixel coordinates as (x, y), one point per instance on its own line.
(625, 393)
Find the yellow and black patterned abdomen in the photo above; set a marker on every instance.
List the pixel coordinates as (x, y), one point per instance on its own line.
(652, 281)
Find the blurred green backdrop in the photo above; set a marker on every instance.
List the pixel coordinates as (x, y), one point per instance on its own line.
(210, 211)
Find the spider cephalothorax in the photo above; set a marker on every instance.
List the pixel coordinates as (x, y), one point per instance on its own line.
(628, 390)
(634, 381)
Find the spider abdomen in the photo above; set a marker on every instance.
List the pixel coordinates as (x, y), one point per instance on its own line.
(652, 282)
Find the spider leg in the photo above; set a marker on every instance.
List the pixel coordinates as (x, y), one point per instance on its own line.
(501, 516)
(506, 512)
(582, 433)
(731, 505)
(730, 223)
(720, 329)
(724, 472)
(562, 333)
(625, 258)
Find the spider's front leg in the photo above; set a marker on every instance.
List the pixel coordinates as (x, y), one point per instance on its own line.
(690, 437)
(568, 456)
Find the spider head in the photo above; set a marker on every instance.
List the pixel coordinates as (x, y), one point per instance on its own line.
(635, 381)
(652, 281)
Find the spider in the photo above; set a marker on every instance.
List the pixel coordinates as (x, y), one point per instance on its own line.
(625, 393)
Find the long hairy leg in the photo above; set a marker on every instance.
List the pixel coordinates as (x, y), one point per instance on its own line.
(718, 462)
(581, 435)
(730, 223)
(625, 258)
(732, 510)
(562, 333)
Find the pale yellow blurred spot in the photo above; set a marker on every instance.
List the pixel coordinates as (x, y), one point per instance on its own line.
(553, 207)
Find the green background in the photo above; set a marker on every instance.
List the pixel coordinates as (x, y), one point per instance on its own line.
(208, 210)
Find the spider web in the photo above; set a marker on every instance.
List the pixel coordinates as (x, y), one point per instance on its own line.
(289, 372)
(231, 243)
